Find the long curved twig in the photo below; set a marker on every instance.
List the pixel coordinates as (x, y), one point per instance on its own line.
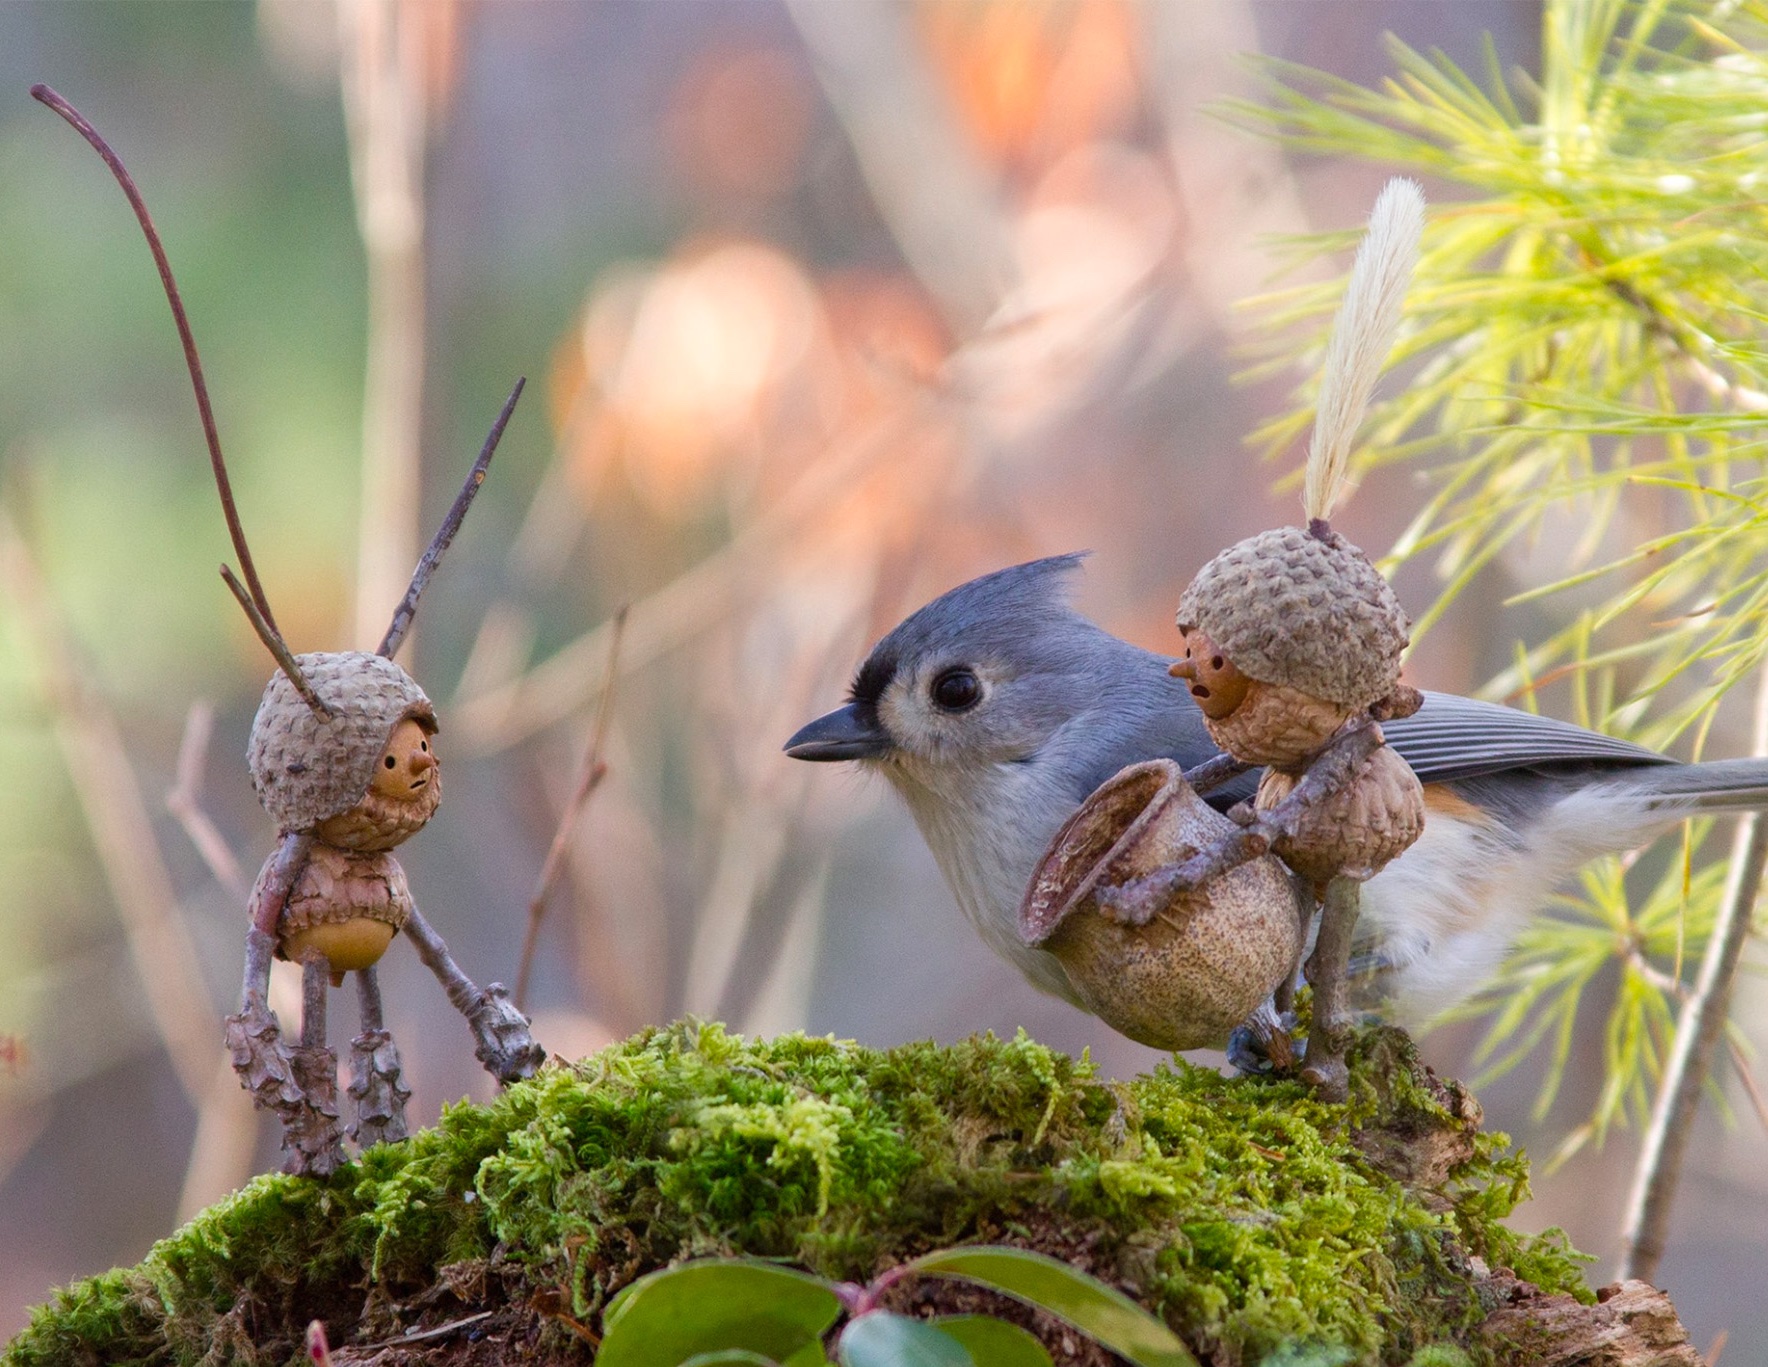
(44, 95)
(420, 577)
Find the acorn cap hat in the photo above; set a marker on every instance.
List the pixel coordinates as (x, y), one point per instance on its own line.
(1302, 609)
(306, 767)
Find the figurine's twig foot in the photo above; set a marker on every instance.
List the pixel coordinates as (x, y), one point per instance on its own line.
(312, 1138)
(506, 1043)
(377, 1090)
(377, 1087)
(299, 1086)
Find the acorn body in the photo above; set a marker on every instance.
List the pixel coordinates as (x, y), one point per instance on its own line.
(347, 904)
(1355, 831)
(1206, 960)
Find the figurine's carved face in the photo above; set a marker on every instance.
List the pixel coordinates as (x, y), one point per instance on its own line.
(408, 765)
(1216, 685)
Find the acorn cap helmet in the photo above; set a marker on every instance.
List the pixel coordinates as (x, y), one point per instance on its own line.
(305, 767)
(1302, 609)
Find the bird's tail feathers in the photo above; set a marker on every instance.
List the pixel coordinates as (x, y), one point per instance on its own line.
(1715, 786)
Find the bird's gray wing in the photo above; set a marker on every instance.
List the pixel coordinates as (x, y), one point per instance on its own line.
(1452, 738)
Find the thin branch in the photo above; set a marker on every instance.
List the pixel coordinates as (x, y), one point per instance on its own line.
(1747, 1077)
(387, 117)
(192, 361)
(425, 1335)
(275, 645)
(588, 780)
(1699, 1027)
(184, 801)
(439, 544)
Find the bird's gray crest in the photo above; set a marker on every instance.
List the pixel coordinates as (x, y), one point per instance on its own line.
(1006, 612)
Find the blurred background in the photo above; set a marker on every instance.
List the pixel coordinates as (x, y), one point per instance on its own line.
(824, 309)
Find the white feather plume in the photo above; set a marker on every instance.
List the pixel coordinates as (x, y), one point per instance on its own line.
(1362, 335)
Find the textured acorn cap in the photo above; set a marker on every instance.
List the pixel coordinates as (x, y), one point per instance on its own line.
(305, 767)
(1305, 611)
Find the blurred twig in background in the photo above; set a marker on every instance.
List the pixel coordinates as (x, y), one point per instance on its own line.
(398, 67)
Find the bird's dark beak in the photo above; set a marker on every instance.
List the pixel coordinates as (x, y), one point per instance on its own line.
(850, 732)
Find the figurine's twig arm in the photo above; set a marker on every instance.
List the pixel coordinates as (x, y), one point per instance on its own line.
(271, 893)
(1213, 773)
(1136, 901)
(506, 1044)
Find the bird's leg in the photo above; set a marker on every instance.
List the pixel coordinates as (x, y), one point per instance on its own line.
(1261, 1044)
(377, 1087)
(1137, 901)
(505, 1042)
(1325, 1069)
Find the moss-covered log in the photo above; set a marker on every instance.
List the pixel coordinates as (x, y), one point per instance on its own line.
(1252, 1217)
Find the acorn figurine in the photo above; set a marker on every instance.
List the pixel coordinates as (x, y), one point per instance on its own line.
(1293, 642)
(342, 757)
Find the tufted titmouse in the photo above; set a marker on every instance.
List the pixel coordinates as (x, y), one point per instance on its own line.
(996, 709)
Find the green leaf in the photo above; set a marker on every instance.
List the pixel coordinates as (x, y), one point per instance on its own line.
(994, 1343)
(715, 1307)
(882, 1339)
(729, 1357)
(1086, 1303)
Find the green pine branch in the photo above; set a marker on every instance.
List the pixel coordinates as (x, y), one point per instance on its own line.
(1588, 381)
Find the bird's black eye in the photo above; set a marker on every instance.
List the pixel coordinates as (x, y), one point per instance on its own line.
(956, 690)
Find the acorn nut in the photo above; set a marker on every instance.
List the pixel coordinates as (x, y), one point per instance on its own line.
(1355, 831)
(347, 904)
(1206, 960)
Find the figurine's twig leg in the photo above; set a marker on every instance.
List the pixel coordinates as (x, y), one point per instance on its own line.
(377, 1087)
(1325, 1068)
(315, 978)
(298, 1085)
(506, 1045)
(1135, 902)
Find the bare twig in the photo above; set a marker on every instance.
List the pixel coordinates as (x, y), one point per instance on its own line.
(1699, 1027)
(588, 779)
(160, 943)
(184, 801)
(1746, 1075)
(670, 615)
(439, 544)
(441, 1331)
(943, 207)
(276, 646)
(387, 115)
(194, 363)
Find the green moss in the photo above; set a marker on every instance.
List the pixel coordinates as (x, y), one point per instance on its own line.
(1252, 1216)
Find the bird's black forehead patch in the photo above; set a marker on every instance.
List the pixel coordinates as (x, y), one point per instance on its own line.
(873, 678)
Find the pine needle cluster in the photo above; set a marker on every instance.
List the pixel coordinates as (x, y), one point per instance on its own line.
(1587, 390)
